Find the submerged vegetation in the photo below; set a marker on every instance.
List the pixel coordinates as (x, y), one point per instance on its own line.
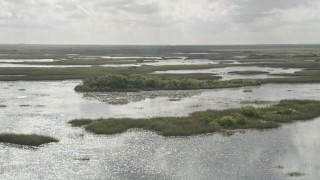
(247, 117)
(135, 82)
(25, 139)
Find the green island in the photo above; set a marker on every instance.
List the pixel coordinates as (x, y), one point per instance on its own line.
(136, 82)
(26, 139)
(247, 117)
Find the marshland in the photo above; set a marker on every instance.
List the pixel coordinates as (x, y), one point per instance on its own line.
(171, 112)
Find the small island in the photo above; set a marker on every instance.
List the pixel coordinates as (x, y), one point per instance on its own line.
(136, 82)
(26, 139)
(247, 117)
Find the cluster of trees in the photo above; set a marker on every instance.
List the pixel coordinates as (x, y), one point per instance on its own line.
(118, 82)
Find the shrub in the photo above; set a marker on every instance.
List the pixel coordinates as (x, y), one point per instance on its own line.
(241, 121)
(205, 121)
(250, 111)
(227, 121)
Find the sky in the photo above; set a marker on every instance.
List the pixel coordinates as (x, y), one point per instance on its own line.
(164, 22)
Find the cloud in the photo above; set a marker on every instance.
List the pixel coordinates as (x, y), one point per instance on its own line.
(154, 21)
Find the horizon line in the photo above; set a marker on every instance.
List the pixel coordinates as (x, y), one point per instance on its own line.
(70, 44)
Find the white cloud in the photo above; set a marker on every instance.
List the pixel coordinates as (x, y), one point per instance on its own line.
(159, 22)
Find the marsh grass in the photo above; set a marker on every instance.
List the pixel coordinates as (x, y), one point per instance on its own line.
(257, 102)
(248, 72)
(25, 139)
(209, 121)
(24, 105)
(82, 158)
(295, 174)
(247, 90)
(80, 122)
(175, 99)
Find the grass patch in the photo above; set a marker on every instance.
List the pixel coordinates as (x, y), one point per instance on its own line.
(295, 174)
(257, 102)
(247, 90)
(80, 122)
(24, 105)
(24, 139)
(249, 72)
(279, 167)
(210, 121)
(288, 111)
(250, 111)
(175, 99)
(82, 158)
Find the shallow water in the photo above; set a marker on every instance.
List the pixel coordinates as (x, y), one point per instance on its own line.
(145, 155)
(158, 62)
(40, 66)
(25, 60)
(226, 74)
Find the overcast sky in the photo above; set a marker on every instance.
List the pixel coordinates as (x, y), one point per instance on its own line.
(160, 21)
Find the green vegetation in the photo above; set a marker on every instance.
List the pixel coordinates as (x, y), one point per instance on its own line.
(24, 139)
(250, 111)
(227, 122)
(247, 90)
(288, 111)
(117, 82)
(82, 158)
(257, 102)
(247, 117)
(2, 106)
(295, 174)
(279, 167)
(80, 122)
(24, 105)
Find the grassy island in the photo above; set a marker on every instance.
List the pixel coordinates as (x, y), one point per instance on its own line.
(24, 139)
(247, 117)
(135, 82)
(249, 72)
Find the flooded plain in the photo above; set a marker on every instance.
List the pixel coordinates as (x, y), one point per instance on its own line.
(18, 63)
(32, 107)
(227, 72)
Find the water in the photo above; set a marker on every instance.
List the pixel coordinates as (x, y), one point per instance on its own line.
(25, 60)
(146, 155)
(154, 62)
(226, 74)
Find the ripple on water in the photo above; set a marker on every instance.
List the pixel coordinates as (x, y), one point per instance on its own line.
(137, 154)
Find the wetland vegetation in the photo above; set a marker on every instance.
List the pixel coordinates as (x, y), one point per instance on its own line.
(247, 117)
(163, 112)
(135, 82)
(25, 139)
